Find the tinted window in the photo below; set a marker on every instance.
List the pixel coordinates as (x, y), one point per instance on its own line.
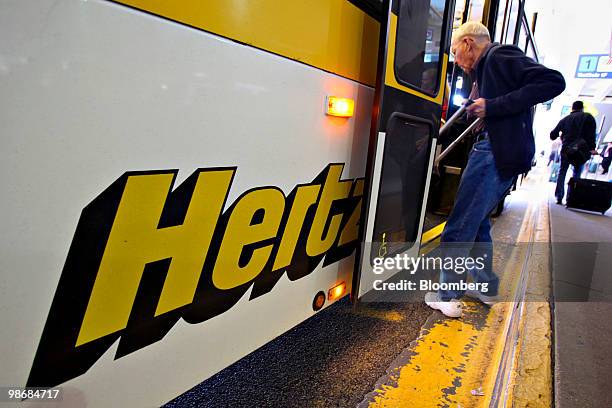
(418, 44)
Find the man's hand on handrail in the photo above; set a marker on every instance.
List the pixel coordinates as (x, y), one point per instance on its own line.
(477, 108)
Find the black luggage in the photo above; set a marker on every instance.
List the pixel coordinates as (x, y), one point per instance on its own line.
(590, 195)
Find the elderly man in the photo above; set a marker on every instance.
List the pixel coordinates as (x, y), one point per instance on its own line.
(507, 84)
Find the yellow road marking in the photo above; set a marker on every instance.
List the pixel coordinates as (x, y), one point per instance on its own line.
(440, 372)
(453, 357)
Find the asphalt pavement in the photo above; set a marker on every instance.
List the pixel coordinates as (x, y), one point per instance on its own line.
(330, 360)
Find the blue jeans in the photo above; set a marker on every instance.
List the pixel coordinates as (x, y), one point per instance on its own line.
(468, 229)
(560, 190)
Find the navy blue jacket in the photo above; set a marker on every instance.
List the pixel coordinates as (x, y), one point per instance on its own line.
(512, 84)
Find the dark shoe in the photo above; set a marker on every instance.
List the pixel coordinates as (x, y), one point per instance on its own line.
(559, 201)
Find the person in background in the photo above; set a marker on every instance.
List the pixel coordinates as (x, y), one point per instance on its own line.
(554, 152)
(606, 153)
(507, 85)
(578, 124)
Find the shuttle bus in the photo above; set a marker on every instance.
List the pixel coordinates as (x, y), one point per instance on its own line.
(186, 180)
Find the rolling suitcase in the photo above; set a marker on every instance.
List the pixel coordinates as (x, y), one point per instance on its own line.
(590, 195)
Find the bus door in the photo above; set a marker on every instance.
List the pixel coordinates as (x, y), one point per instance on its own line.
(413, 57)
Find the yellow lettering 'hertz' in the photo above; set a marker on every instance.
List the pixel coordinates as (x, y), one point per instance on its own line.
(319, 240)
(305, 197)
(255, 223)
(135, 240)
(242, 231)
(351, 232)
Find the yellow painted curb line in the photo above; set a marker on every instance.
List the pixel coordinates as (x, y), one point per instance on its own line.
(455, 362)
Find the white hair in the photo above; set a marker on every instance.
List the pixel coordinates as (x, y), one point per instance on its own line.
(473, 29)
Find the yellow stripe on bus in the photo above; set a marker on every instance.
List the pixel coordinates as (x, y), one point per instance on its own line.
(390, 79)
(333, 35)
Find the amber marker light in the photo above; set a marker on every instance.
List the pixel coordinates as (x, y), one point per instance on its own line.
(337, 291)
(341, 107)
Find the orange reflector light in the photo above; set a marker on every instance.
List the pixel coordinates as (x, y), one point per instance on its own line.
(337, 291)
(342, 107)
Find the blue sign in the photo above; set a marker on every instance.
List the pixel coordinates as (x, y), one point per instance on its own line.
(595, 66)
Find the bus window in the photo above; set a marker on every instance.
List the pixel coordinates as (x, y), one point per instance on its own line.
(476, 10)
(418, 51)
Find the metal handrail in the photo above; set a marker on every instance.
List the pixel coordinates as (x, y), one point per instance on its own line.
(456, 141)
(448, 125)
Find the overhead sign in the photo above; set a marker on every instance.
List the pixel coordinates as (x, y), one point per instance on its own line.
(596, 66)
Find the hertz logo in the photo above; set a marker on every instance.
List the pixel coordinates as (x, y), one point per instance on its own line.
(144, 256)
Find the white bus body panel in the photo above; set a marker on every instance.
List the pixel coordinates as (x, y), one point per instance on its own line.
(91, 90)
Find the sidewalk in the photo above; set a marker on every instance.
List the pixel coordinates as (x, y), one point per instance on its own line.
(582, 293)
